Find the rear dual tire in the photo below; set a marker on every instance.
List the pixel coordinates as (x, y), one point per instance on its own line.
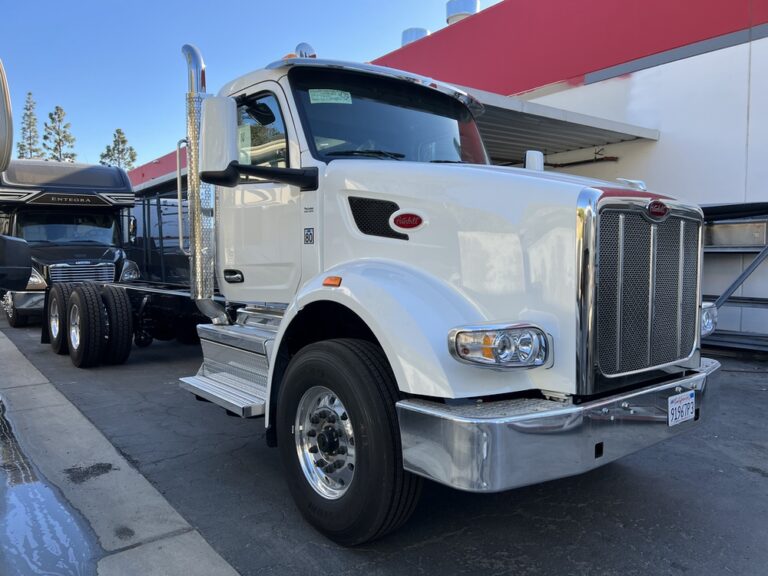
(99, 324)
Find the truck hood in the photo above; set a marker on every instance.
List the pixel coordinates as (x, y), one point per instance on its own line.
(504, 239)
(46, 254)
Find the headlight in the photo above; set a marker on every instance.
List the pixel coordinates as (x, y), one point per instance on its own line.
(708, 318)
(506, 346)
(130, 271)
(36, 281)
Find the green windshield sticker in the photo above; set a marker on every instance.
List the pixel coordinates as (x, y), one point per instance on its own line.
(328, 96)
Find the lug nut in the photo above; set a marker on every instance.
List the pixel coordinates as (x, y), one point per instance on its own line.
(314, 420)
(312, 433)
(331, 419)
(341, 450)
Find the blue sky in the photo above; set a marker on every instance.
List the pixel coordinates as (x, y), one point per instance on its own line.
(116, 64)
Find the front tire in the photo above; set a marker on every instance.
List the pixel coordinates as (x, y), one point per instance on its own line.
(15, 320)
(336, 408)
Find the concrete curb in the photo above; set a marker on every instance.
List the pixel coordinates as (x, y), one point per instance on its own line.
(140, 531)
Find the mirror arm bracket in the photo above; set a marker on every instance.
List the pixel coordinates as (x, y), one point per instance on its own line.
(305, 178)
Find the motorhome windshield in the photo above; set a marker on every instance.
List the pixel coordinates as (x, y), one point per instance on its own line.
(67, 228)
(354, 115)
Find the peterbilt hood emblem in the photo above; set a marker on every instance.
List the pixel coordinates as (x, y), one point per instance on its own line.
(406, 220)
(657, 210)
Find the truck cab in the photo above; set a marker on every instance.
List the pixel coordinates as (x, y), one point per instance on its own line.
(414, 312)
(73, 216)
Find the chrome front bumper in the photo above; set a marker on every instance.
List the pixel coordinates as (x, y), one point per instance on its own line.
(495, 446)
(25, 302)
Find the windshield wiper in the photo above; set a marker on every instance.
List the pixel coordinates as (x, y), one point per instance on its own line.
(449, 162)
(371, 153)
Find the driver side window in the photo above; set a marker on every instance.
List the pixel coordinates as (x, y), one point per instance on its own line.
(261, 132)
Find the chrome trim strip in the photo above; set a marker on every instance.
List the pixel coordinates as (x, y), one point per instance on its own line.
(620, 289)
(586, 258)
(651, 290)
(680, 270)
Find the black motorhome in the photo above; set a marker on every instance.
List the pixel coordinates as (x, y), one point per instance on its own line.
(73, 216)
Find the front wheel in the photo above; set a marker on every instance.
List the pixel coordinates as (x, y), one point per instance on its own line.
(15, 320)
(340, 443)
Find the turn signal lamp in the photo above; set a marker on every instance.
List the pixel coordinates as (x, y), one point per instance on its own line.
(505, 346)
(334, 281)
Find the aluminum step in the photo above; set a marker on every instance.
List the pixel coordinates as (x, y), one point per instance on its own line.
(253, 338)
(267, 317)
(235, 394)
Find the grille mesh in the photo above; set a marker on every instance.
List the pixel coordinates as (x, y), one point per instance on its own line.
(83, 273)
(646, 291)
(372, 217)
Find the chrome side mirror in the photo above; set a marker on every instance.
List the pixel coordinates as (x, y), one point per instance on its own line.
(132, 227)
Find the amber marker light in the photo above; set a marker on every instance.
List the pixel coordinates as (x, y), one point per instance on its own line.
(334, 281)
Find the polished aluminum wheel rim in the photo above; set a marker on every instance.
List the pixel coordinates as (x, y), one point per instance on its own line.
(325, 442)
(54, 319)
(74, 327)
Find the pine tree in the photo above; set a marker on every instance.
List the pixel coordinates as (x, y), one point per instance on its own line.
(119, 154)
(29, 144)
(57, 138)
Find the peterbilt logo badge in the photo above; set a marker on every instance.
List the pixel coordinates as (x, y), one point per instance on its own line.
(408, 221)
(658, 210)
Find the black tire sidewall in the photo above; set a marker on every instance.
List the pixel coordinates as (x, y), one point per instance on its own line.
(88, 301)
(359, 513)
(59, 344)
(117, 308)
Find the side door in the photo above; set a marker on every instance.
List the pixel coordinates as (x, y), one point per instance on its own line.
(259, 223)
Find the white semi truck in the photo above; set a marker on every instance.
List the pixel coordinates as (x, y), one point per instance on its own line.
(409, 311)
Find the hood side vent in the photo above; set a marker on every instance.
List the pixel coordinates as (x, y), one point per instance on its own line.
(372, 217)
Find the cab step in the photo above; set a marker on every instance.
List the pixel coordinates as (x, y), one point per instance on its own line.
(235, 366)
(230, 392)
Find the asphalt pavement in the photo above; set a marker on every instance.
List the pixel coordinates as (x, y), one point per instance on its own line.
(695, 505)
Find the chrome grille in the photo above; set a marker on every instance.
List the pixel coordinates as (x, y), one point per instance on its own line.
(82, 272)
(646, 290)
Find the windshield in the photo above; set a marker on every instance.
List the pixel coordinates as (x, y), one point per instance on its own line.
(354, 115)
(68, 228)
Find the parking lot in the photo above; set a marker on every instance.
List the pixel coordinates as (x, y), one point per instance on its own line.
(698, 505)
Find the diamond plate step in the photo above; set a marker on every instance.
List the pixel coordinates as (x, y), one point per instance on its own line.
(239, 396)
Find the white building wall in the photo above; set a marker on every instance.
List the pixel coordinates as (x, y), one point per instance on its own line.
(712, 114)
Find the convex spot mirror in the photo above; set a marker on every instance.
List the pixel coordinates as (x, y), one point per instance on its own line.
(219, 159)
(6, 121)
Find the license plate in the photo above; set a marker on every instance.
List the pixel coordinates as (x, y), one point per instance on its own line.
(681, 407)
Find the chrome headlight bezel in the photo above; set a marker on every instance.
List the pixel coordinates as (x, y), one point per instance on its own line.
(708, 319)
(36, 281)
(498, 346)
(130, 271)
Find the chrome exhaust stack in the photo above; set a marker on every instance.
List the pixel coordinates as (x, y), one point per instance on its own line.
(201, 198)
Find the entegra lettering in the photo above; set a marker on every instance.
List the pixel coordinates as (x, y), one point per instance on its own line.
(71, 199)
